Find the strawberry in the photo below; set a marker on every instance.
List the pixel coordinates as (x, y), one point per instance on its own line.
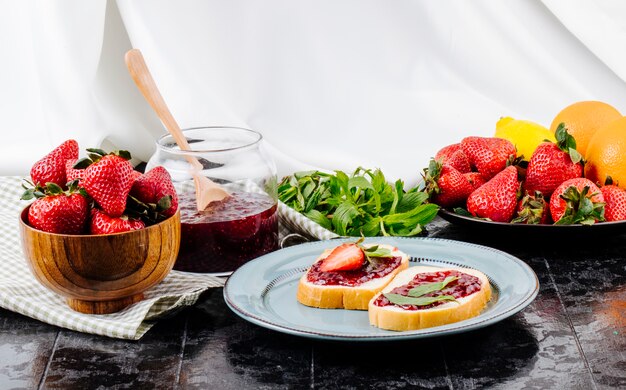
(552, 164)
(58, 211)
(72, 173)
(108, 181)
(577, 200)
(488, 155)
(615, 198)
(496, 199)
(154, 185)
(345, 257)
(533, 209)
(475, 179)
(136, 175)
(445, 185)
(51, 168)
(103, 224)
(454, 156)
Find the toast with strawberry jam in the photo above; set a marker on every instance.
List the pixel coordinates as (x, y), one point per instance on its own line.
(422, 297)
(348, 276)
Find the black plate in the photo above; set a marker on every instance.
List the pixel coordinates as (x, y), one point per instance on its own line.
(534, 231)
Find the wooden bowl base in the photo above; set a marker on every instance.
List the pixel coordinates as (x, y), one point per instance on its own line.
(103, 307)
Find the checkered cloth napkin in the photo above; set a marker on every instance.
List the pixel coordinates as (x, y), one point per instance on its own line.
(21, 293)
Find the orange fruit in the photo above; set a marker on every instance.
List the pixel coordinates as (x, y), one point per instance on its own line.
(606, 154)
(583, 119)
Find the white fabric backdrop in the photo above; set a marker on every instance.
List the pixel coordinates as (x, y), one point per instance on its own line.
(330, 84)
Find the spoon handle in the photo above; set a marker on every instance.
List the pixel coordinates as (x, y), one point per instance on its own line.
(206, 190)
(143, 78)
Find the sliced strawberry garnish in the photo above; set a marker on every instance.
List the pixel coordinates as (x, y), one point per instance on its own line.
(345, 257)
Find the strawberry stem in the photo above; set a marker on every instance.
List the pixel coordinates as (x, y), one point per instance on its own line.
(566, 142)
(580, 208)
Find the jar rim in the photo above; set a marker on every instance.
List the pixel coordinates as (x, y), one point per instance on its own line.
(259, 137)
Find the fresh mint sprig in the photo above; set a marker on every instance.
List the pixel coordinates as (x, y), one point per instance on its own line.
(362, 203)
(416, 295)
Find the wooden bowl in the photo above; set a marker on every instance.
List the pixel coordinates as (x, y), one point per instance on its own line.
(101, 274)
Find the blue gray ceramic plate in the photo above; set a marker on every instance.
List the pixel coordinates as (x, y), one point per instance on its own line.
(263, 291)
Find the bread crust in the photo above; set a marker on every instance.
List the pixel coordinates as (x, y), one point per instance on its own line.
(346, 297)
(398, 319)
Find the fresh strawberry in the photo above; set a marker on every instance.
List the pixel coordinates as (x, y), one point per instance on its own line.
(496, 199)
(552, 164)
(72, 173)
(136, 175)
(533, 209)
(475, 179)
(454, 156)
(153, 186)
(345, 257)
(615, 198)
(103, 224)
(577, 201)
(51, 168)
(59, 212)
(488, 155)
(445, 185)
(108, 181)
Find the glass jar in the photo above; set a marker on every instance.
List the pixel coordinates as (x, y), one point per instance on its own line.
(240, 227)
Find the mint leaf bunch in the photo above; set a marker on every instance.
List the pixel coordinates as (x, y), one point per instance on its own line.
(362, 203)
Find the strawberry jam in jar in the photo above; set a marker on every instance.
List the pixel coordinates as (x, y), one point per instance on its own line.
(240, 226)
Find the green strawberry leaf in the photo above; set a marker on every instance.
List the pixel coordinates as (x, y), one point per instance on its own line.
(575, 156)
(82, 163)
(164, 203)
(100, 152)
(28, 194)
(462, 211)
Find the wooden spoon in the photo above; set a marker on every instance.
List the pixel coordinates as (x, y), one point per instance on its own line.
(207, 191)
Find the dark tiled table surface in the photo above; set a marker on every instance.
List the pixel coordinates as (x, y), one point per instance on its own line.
(573, 336)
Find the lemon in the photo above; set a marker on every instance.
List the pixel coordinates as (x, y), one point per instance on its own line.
(525, 135)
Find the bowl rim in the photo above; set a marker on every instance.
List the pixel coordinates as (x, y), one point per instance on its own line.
(24, 223)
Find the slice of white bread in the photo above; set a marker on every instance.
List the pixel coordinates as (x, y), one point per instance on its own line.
(346, 297)
(394, 317)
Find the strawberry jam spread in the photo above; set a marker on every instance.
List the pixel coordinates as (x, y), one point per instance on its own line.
(465, 285)
(227, 233)
(379, 267)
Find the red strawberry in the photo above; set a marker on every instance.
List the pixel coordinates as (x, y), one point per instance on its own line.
(51, 168)
(103, 224)
(454, 156)
(446, 186)
(577, 201)
(72, 173)
(496, 199)
(615, 198)
(154, 185)
(345, 257)
(615, 207)
(136, 175)
(59, 212)
(108, 181)
(552, 164)
(475, 179)
(533, 209)
(488, 155)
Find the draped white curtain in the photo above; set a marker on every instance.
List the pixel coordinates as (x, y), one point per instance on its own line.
(330, 84)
